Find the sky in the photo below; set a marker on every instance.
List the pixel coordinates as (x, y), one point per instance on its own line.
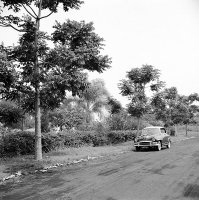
(161, 33)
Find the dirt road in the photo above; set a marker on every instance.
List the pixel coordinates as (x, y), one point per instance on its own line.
(147, 175)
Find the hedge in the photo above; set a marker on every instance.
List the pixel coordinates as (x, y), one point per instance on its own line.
(22, 143)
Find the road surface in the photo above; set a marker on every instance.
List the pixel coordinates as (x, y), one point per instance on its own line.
(169, 174)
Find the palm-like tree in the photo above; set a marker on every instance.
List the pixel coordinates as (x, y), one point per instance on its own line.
(94, 100)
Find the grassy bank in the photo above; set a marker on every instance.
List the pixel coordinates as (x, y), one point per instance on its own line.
(27, 164)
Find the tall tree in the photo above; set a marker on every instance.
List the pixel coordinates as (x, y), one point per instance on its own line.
(172, 108)
(190, 109)
(134, 87)
(168, 107)
(163, 104)
(94, 99)
(50, 72)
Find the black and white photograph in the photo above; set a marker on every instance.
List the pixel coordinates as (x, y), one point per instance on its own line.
(99, 99)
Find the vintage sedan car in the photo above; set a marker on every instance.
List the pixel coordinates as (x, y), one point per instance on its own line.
(153, 137)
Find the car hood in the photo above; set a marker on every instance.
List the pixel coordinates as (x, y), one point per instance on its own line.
(146, 137)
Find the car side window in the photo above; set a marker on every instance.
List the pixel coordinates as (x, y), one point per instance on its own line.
(162, 130)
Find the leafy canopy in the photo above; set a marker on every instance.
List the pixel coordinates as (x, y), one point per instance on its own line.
(16, 5)
(173, 108)
(134, 87)
(62, 68)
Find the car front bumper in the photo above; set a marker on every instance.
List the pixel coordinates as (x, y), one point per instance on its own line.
(146, 144)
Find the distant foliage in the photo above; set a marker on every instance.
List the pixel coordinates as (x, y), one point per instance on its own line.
(115, 105)
(66, 118)
(122, 121)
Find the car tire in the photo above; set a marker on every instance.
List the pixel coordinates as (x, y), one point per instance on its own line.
(169, 145)
(159, 147)
(137, 148)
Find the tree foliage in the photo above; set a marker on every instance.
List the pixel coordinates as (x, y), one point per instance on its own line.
(93, 100)
(10, 113)
(191, 109)
(134, 87)
(172, 108)
(115, 105)
(67, 116)
(165, 105)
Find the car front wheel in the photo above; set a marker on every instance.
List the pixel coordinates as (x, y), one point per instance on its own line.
(137, 148)
(159, 147)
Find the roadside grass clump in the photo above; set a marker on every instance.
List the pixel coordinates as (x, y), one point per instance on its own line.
(22, 142)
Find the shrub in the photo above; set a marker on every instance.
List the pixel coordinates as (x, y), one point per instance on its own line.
(51, 141)
(100, 140)
(22, 143)
(19, 143)
(116, 137)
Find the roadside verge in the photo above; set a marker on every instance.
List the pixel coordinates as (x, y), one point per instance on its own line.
(14, 168)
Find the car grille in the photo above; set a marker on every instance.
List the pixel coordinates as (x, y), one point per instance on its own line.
(144, 143)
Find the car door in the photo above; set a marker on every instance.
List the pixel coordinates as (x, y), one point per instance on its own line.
(165, 136)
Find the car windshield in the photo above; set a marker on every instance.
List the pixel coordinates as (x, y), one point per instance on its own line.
(150, 131)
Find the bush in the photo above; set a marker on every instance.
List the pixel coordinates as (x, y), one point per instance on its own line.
(116, 137)
(22, 143)
(19, 143)
(100, 140)
(51, 141)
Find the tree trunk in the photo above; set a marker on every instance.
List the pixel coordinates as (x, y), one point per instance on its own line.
(22, 124)
(176, 129)
(88, 114)
(138, 126)
(186, 128)
(38, 145)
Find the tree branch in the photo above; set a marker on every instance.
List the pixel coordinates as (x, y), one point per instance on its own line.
(32, 10)
(16, 28)
(29, 12)
(47, 15)
(9, 25)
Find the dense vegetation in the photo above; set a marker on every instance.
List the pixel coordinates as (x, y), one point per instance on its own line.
(22, 143)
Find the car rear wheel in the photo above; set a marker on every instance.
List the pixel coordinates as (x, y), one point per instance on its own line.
(169, 144)
(159, 147)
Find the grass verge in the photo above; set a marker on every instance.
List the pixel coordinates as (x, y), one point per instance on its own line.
(27, 164)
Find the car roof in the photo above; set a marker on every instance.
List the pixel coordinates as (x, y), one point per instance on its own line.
(153, 127)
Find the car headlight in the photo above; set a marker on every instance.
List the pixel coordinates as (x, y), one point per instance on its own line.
(135, 140)
(153, 139)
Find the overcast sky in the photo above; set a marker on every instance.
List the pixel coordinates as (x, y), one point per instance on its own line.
(162, 33)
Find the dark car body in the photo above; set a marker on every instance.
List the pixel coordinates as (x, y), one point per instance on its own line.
(153, 137)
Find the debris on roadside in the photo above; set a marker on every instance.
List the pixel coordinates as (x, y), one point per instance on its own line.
(45, 169)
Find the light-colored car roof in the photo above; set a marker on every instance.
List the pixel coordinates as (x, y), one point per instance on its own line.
(153, 127)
